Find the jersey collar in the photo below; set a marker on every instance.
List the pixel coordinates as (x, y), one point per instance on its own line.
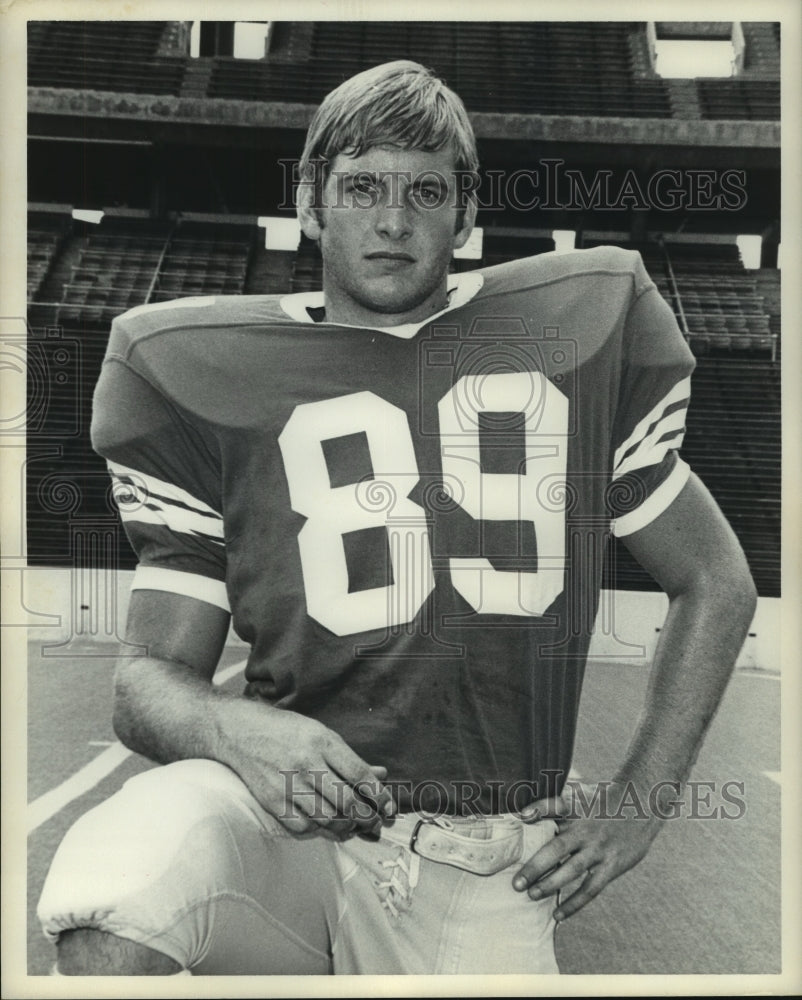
(461, 289)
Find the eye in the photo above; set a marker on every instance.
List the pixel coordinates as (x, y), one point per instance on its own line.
(429, 195)
(362, 183)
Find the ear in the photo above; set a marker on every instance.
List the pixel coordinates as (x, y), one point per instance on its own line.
(468, 221)
(306, 210)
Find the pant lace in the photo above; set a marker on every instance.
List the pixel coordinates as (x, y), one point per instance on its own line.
(403, 872)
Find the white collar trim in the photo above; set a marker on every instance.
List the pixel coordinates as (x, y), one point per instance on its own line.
(461, 289)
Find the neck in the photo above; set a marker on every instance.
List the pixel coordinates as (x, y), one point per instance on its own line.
(350, 313)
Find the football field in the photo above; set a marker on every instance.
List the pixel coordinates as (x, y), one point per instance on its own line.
(705, 900)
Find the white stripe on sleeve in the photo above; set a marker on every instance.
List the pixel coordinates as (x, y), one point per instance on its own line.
(654, 505)
(173, 581)
(644, 442)
(148, 500)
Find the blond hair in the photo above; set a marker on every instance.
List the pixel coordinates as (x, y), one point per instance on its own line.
(399, 104)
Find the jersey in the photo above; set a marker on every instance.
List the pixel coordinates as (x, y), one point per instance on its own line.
(408, 526)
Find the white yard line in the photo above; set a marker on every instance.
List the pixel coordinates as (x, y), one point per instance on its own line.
(47, 805)
(775, 776)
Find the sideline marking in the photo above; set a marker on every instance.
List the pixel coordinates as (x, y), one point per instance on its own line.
(46, 806)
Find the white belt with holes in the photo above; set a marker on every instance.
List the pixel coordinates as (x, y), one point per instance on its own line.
(439, 841)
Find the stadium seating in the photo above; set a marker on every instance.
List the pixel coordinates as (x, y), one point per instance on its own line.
(719, 305)
(111, 38)
(45, 236)
(202, 261)
(497, 249)
(307, 271)
(115, 271)
(102, 55)
(719, 300)
(733, 442)
(541, 68)
(744, 99)
(123, 264)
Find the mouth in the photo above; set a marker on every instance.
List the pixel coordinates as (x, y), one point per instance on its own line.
(391, 255)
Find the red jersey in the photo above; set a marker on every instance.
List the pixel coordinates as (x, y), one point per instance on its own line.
(408, 525)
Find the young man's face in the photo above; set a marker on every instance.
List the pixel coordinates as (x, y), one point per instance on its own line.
(387, 230)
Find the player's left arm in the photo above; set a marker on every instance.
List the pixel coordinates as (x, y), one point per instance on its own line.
(693, 554)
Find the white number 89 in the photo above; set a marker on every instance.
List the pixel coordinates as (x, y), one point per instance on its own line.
(333, 511)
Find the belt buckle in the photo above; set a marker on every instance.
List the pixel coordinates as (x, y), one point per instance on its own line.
(413, 838)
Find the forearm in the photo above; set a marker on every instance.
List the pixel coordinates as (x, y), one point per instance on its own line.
(700, 640)
(166, 708)
(298, 770)
(166, 711)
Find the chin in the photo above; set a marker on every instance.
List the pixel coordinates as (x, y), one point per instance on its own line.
(394, 303)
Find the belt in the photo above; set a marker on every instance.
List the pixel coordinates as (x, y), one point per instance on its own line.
(485, 848)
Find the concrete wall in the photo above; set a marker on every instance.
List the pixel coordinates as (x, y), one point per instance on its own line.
(69, 609)
(629, 622)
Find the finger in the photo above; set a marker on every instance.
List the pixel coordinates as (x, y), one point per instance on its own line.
(376, 795)
(587, 892)
(356, 774)
(543, 809)
(549, 856)
(571, 870)
(295, 821)
(331, 803)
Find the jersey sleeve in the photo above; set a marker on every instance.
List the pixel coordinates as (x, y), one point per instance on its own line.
(165, 483)
(648, 473)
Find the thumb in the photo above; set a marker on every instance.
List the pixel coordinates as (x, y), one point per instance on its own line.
(552, 808)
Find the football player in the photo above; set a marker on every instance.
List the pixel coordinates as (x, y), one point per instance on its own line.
(399, 490)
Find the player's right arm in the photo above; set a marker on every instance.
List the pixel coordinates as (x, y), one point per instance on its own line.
(166, 708)
(167, 485)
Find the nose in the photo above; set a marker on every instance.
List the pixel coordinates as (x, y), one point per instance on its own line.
(393, 219)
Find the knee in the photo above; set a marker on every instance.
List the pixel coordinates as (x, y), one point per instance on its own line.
(138, 865)
(88, 952)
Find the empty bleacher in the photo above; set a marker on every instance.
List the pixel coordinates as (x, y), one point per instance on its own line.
(498, 248)
(203, 260)
(102, 55)
(721, 306)
(46, 232)
(112, 38)
(739, 99)
(733, 442)
(124, 263)
(307, 271)
(531, 67)
(99, 272)
(115, 270)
